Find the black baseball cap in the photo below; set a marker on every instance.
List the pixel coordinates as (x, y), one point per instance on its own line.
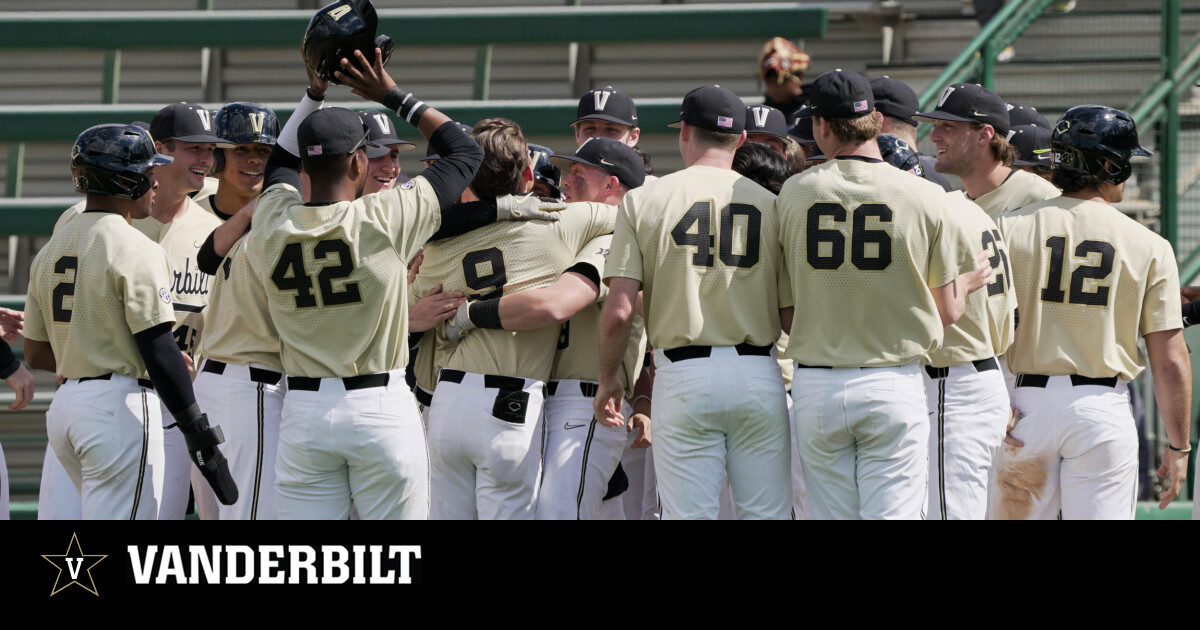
(714, 108)
(431, 155)
(185, 122)
(839, 94)
(1029, 140)
(607, 103)
(895, 99)
(611, 156)
(383, 133)
(802, 126)
(332, 131)
(967, 102)
(1019, 114)
(766, 120)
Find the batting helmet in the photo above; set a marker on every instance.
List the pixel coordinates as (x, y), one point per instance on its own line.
(543, 170)
(1088, 136)
(339, 29)
(113, 159)
(898, 153)
(244, 123)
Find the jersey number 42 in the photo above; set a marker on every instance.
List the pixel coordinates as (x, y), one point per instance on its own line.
(291, 274)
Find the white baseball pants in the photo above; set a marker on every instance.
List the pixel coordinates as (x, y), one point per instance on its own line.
(863, 436)
(108, 436)
(361, 447)
(486, 440)
(717, 415)
(248, 413)
(968, 415)
(581, 454)
(58, 498)
(1080, 455)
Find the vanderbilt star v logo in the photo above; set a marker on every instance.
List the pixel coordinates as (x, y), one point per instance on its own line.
(72, 566)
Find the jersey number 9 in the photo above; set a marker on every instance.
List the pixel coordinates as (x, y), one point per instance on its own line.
(483, 271)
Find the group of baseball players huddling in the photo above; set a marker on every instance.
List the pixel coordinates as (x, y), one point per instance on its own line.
(545, 334)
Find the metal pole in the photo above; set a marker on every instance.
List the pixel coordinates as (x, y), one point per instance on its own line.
(112, 75)
(16, 169)
(483, 72)
(1169, 140)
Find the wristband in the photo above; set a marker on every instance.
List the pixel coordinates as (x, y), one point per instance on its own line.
(405, 105)
(1185, 451)
(637, 398)
(486, 314)
(308, 91)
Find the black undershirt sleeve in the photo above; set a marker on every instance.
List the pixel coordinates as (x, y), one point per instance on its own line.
(461, 218)
(1191, 315)
(168, 372)
(460, 160)
(282, 168)
(587, 271)
(207, 259)
(8, 360)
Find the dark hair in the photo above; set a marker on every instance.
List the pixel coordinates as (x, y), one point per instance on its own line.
(762, 165)
(326, 170)
(645, 160)
(1071, 181)
(1002, 151)
(505, 154)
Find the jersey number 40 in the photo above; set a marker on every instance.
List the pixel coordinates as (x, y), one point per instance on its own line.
(291, 274)
(699, 217)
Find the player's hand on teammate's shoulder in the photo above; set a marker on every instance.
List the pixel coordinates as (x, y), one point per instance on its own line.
(433, 308)
(527, 207)
(366, 78)
(21, 383)
(982, 276)
(12, 323)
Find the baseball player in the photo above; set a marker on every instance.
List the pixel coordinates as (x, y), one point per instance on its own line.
(781, 67)
(1019, 114)
(99, 314)
(1033, 149)
(702, 245)
(581, 456)
(19, 379)
(606, 113)
(854, 229)
(767, 125)
(384, 160)
(897, 103)
(251, 129)
(1090, 282)
(970, 130)
(486, 430)
(545, 174)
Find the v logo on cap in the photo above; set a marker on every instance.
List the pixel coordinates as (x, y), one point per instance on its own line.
(601, 99)
(760, 116)
(205, 118)
(383, 123)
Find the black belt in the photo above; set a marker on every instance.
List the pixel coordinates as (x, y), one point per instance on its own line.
(815, 367)
(258, 375)
(144, 382)
(491, 381)
(683, 353)
(587, 388)
(982, 365)
(309, 384)
(423, 397)
(1041, 380)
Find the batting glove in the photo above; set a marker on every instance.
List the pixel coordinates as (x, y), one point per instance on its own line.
(526, 208)
(458, 326)
(202, 441)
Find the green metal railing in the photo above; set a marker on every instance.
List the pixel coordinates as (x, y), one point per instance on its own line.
(978, 60)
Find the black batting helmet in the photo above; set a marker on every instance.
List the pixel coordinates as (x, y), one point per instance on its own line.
(243, 123)
(1088, 136)
(543, 170)
(899, 153)
(339, 29)
(113, 159)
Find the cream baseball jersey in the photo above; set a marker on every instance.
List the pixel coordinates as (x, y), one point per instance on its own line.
(1020, 189)
(91, 288)
(986, 326)
(239, 329)
(864, 242)
(1089, 281)
(181, 240)
(335, 274)
(505, 258)
(578, 354)
(704, 244)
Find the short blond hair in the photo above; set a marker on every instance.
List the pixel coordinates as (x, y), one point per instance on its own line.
(856, 130)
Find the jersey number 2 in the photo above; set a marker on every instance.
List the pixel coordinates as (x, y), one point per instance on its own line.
(65, 266)
(290, 274)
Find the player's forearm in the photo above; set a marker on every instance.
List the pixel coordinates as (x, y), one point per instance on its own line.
(548, 306)
(168, 372)
(951, 301)
(221, 240)
(283, 165)
(1172, 371)
(615, 323)
(40, 355)
(786, 315)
